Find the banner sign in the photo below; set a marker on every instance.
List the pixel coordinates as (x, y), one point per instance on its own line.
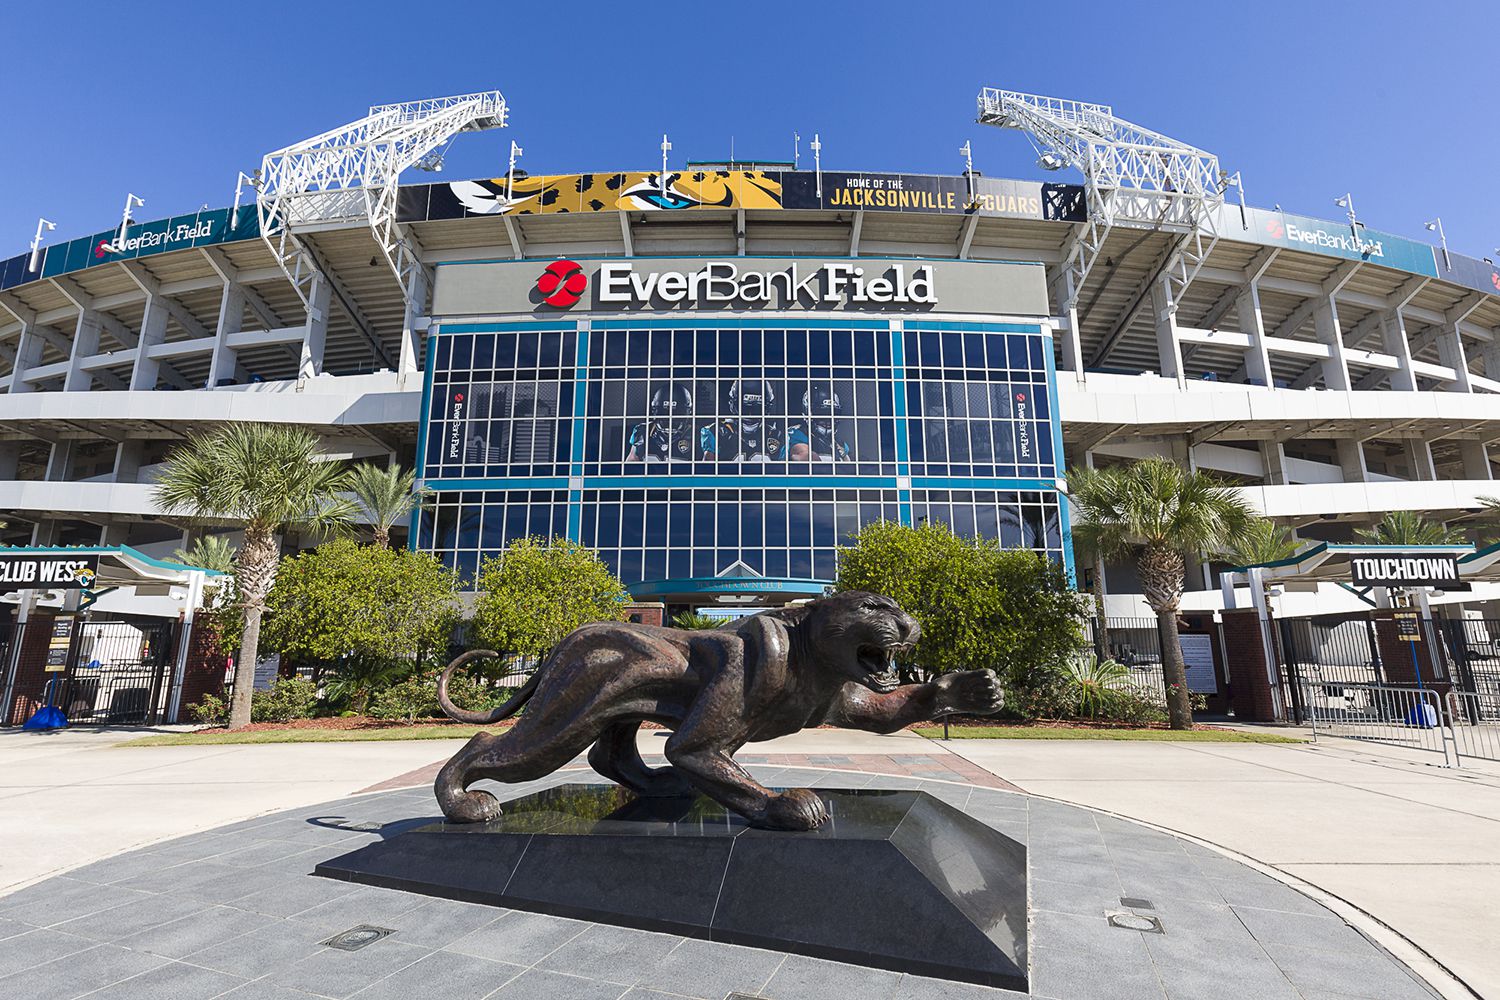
(47, 572)
(1405, 570)
(1301, 232)
(760, 190)
(205, 228)
(58, 644)
(1480, 275)
(672, 284)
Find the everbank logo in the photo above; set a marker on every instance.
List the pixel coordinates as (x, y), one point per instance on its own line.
(562, 284)
(1325, 239)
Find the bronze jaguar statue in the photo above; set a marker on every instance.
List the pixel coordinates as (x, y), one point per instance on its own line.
(830, 661)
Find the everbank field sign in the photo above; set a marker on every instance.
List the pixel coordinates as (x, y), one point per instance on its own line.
(794, 284)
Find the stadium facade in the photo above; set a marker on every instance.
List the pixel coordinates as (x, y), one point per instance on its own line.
(715, 374)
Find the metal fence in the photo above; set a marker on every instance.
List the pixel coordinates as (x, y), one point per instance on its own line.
(1135, 643)
(1419, 718)
(1473, 648)
(108, 672)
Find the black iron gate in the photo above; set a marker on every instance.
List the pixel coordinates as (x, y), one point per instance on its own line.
(1473, 646)
(119, 672)
(1324, 655)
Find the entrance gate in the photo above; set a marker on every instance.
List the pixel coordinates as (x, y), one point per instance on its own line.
(118, 672)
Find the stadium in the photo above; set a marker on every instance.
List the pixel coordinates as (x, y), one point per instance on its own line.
(713, 373)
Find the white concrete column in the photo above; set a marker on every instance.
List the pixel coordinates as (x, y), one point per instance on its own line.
(1419, 459)
(128, 456)
(1476, 460)
(1070, 342)
(146, 370)
(411, 332)
(28, 356)
(1168, 348)
(10, 460)
(1351, 456)
(1451, 353)
(1396, 343)
(1253, 325)
(224, 363)
(85, 344)
(60, 460)
(1326, 322)
(1274, 457)
(315, 334)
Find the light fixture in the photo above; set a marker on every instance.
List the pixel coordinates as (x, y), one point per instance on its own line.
(1051, 161)
(239, 189)
(432, 163)
(666, 147)
(796, 149)
(36, 242)
(510, 171)
(126, 220)
(1436, 226)
(817, 147)
(967, 153)
(1347, 203)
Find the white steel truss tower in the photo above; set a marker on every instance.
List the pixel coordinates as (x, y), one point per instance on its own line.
(352, 172)
(1132, 177)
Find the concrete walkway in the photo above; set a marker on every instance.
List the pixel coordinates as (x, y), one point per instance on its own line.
(1408, 842)
(1413, 844)
(71, 797)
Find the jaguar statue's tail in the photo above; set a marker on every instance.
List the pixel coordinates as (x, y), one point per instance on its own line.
(504, 711)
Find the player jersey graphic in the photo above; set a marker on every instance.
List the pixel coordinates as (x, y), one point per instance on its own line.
(728, 440)
(651, 442)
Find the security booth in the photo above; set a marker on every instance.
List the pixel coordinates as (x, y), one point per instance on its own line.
(101, 633)
(1290, 668)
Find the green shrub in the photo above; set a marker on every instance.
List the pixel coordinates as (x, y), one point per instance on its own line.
(1095, 683)
(1043, 693)
(1134, 709)
(211, 711)
(286, 699)
(409, 699)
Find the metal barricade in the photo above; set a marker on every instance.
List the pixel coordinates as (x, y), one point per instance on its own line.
(1404, 716)
(1475, 732)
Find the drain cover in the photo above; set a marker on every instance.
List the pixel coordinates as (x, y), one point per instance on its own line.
(1134, 922)
(1136, 904)
(744, 996)
(356, 938)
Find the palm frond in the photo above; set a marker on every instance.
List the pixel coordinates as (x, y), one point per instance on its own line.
(262, 474)
(386, 495)
(1407, 527)
(208, 552)
(1155, 502)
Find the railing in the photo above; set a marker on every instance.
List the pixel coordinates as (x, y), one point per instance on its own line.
(1405, 716)
(1474, 732)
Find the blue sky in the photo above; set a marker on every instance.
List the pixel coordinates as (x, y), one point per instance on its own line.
(1308, 99)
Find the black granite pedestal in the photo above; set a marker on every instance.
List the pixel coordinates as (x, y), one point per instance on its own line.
(895, 879)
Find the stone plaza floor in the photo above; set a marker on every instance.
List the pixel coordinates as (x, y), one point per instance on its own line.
(234, 912)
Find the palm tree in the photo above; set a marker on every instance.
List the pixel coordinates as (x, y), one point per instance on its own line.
(1165, 511)
(266, 478)
(1407, 527)
(1264, 541)
(386, 494)
(208, 552)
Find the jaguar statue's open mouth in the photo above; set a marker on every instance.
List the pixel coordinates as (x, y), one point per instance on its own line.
(879, 665)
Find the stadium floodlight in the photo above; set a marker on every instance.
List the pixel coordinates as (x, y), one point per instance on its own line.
(1347, 203)
(510, 171)
(1051, 161)
(126, 220)
(239, 187)
(968, 154)
(817, 147)
(36, 242)
(1436, 225)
